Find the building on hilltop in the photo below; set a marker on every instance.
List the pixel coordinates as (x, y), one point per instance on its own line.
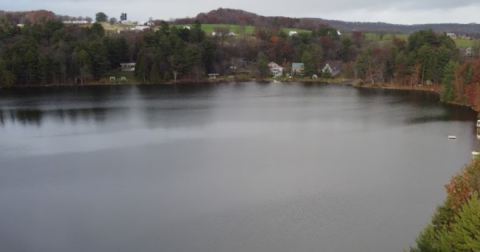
(452, 35)
(141, 27)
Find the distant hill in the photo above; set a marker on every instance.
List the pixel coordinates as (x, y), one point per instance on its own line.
(26, 17)
(240, 17)
(36, 16)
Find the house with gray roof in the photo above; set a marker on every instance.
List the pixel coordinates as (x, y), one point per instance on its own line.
(298, 68)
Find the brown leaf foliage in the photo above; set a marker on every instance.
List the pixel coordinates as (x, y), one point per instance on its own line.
(463, 185)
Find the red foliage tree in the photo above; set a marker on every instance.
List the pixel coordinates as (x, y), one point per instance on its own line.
(463, 185)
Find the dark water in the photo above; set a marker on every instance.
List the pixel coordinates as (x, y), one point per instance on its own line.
(230, 167)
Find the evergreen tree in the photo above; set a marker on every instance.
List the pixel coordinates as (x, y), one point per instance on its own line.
(31, 67)
(308, 63)
(465, 233)
(262, 65)
(96, 31)
(346, 51)
(208, 55)
(141, 69)
(7, 78)
(99, 63)
(155, 76)
(192, 60)
(426, 61)
(197, 34)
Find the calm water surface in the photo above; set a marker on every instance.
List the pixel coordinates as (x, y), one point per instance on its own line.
(230, 167)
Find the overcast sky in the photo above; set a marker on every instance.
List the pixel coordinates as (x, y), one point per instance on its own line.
(390, 11)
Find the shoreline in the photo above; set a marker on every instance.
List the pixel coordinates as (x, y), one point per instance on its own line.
(191, 81)
(423, 88)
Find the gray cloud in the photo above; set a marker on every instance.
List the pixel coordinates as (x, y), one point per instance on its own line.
(392, 11)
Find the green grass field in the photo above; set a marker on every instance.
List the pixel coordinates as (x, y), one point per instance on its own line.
(118, 75)
(464, 42)
(388, 37)
(249, 30)
(375, 36)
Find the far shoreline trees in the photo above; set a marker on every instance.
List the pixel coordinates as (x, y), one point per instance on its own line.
(49, 52)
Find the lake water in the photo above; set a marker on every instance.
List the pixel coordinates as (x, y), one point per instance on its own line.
(228, 167)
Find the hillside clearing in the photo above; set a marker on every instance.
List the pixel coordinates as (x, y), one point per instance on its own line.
(238, 29)
(389, 37)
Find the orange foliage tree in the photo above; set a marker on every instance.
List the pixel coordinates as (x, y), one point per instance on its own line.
(463, 185)
(473, 90)
(464, 77)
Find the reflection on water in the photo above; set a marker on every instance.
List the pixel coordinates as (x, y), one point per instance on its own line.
(100, 104)
(224, 167)
(34, 117)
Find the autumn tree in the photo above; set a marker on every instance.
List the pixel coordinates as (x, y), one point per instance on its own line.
(368, 66)
(455, 225)
(464, 77)
(472, 90)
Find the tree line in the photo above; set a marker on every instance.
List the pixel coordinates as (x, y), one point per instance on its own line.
(50, 52)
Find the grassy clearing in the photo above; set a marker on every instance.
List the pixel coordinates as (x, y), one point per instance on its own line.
(376, 36)
(118, 75)
(287, 30)
(464, 42)
(389, 37)
(209, 28)
(249, 30)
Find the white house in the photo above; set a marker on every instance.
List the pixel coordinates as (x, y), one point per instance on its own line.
(466, 51)
(292, 33)
(332, 67)
(141, 27)
(452, 35)
(275, 69)
(76, 22)
(128, 67)
(149, 23)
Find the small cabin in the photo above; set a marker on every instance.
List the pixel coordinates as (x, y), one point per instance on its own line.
(128, 67)
(213, 75)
